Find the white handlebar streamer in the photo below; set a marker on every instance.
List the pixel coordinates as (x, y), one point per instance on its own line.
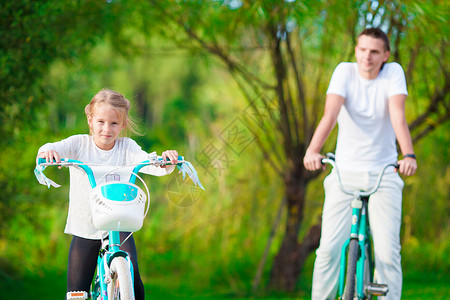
(188, 168)
(38, 172)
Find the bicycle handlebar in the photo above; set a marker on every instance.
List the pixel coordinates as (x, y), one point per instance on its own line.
(184, 166)
(331, 161)
(65, 162)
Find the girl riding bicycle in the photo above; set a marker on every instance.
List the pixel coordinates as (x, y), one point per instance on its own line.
(107, 116)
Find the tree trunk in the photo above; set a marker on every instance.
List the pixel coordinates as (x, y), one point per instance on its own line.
(290, 259)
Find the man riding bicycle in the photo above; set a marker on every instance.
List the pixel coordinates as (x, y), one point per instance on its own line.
(367, 100)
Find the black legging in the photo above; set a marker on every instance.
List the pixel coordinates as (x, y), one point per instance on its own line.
(83, 260)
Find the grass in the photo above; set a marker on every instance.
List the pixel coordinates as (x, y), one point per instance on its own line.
(424, 286)
(51, 285)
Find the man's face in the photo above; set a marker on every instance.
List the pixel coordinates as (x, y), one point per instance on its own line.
(370, 54)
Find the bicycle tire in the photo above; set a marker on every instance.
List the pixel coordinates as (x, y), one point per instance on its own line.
(121, 286)
(350, 280)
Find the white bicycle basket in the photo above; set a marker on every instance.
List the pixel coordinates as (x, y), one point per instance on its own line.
(118, 206)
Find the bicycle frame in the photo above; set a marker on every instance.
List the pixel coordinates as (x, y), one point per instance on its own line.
(106, 255)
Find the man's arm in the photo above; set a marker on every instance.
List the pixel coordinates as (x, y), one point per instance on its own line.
(408, 165)
(333, 104)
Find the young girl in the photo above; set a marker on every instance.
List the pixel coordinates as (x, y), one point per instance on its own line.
(107, 116)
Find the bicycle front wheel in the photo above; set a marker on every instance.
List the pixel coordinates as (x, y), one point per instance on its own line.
(350, 281)
(121, 286)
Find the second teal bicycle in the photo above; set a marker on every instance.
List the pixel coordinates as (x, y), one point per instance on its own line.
(357, 267)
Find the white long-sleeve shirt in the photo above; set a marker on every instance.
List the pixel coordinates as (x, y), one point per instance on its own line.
(83, 148)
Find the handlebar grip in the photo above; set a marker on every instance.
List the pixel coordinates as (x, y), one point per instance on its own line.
(328, 157)
(41, 160)
(331, 156)
(179, 158)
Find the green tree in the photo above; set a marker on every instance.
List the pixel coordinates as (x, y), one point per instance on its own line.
(281, 54)
(33, 35)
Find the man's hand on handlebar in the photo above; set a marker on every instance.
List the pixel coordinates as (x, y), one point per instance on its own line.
(407, 166)
(313, 161)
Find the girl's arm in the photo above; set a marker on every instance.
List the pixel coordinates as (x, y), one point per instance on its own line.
(63, 148)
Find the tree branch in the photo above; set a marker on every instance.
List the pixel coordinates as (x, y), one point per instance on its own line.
(268, 153)
(280, 74)
(431, 127)
(437, 98)
(213, 48)
(262, 262)
(300, 90)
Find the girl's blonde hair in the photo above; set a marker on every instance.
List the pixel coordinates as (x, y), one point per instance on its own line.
(118, 102)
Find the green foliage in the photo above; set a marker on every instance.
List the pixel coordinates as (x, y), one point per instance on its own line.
(34, 35)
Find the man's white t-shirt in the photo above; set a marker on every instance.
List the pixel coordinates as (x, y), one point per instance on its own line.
(83, 148)
(366, 140)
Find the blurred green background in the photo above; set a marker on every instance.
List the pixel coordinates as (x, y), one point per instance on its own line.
(237, 87)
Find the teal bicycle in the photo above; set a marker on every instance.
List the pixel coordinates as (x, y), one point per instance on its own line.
(116, 206)
(357, 267)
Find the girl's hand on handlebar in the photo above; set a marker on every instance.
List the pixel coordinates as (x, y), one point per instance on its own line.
(50, 156)
(407, 166)
(313, 161)
(171, 155)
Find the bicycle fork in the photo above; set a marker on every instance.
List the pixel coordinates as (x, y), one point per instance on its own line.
(364, 272)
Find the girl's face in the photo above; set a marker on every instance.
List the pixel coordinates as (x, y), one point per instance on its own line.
(106, 126)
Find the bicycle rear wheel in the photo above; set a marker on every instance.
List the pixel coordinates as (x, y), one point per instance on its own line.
(121, 286)
(350, 281)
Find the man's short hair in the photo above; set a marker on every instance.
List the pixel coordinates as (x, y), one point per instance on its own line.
(377, 33)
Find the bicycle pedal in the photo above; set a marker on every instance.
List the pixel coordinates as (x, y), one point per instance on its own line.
(76, 295)
(376, 289)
